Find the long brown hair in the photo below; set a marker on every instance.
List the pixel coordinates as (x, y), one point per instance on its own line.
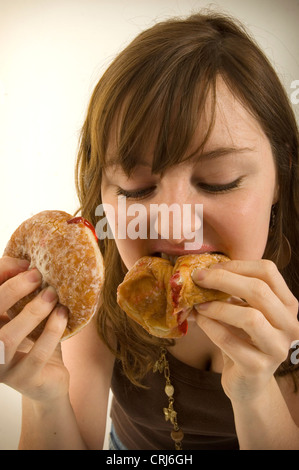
(155, 90)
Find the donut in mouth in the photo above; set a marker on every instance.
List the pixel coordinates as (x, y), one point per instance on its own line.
(159, 294)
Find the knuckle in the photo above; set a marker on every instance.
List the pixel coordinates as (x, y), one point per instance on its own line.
(254, 319)
(36, 360)
(293, 304)
(270, 267)
(219, 274)
(235, 265)
(218, 307)
(32, 309)
(37, 308)
(225, 338)
(283, 351)
(11, 290)
(282, 347)
(259, 288)
(259, 367)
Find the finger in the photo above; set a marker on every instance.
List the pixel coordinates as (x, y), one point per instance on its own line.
(255, 291)
(14, 332)
(235, 348)
(262, 269)
(45, 346)
(4, 318)
(18, 287)
(9, 267)
(261, 333)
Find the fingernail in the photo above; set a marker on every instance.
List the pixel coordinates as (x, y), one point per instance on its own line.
(218, 265)
(198, 274)
(203, 306)
(34, 275)
(63, 311)
(49, 295)
(23, 263)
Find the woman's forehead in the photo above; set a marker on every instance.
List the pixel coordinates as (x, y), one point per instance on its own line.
(223, 124)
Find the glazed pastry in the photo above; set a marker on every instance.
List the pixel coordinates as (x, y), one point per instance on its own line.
(160, 296)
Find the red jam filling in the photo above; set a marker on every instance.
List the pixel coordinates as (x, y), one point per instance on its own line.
(183, 328)
(175, 288)
(78, 220)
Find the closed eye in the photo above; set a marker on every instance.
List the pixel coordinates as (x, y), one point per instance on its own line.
(220, 188)
(210, 188)
(135, 194)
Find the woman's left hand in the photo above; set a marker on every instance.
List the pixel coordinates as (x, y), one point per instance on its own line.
(254, 329)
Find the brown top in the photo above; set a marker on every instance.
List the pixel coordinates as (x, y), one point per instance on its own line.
(204, 411)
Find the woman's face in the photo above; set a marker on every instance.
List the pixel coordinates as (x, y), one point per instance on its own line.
(234, 179)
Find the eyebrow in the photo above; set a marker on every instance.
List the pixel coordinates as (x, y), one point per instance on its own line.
(223, 151)
(211, 154)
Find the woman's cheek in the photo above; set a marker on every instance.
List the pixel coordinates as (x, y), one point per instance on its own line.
(130, 246)
(246, 229)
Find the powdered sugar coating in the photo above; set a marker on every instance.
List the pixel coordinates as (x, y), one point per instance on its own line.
(69, 259)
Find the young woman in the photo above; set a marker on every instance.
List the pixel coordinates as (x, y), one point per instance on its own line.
(190, 112)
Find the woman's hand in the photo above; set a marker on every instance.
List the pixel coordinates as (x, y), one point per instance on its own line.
(255, 333)
(35, 370)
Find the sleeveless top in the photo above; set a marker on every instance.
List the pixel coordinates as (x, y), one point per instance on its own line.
(204, 412)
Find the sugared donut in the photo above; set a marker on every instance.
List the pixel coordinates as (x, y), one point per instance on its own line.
(160, 296)
(65, 251)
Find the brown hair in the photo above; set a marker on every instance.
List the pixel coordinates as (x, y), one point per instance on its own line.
(167, 73)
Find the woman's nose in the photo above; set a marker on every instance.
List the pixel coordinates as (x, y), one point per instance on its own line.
(177, 223)
(178, 214)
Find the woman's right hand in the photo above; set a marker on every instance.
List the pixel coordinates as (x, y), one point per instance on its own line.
(39, 372)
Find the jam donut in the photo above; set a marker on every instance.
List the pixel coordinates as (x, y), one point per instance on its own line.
(65, 251)
(160, 296)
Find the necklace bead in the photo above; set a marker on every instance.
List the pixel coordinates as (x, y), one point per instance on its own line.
(177, 436)
(169, 390)
(162, 365)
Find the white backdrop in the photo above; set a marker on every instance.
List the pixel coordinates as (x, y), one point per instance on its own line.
(52, 54)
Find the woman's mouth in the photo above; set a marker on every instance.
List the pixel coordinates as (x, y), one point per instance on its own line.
(172, 257)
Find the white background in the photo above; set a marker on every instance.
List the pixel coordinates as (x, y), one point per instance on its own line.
(52, 54)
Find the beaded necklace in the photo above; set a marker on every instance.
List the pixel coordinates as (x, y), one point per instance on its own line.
(162, 365)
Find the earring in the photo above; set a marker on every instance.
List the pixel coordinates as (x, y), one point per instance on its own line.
(273, 217)
(284, 252)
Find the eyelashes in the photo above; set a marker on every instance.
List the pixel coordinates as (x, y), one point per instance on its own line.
(209, 188)
(136, 194)
(221, 188)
